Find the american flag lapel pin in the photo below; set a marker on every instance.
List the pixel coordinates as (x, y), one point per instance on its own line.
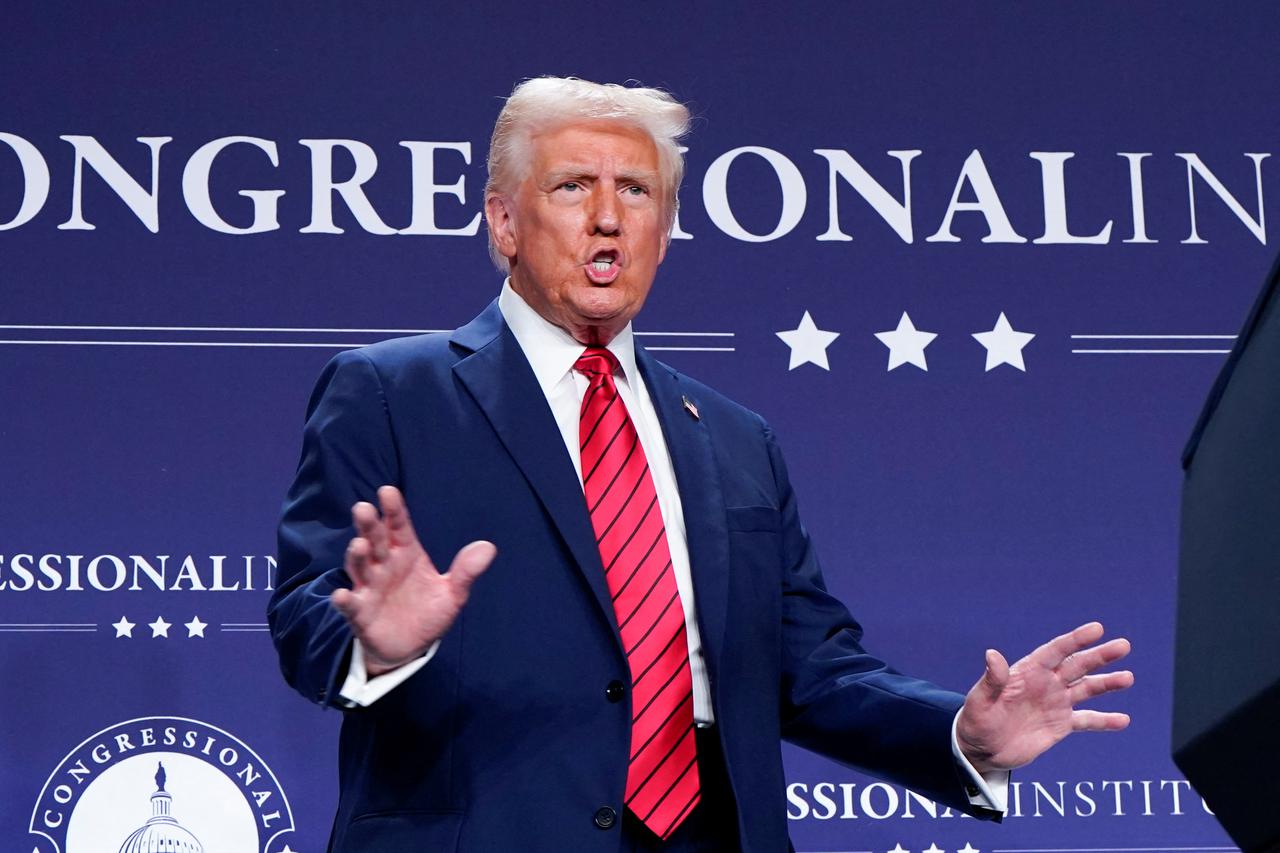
(691, 408)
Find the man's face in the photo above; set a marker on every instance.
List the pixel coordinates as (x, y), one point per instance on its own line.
(586, 228)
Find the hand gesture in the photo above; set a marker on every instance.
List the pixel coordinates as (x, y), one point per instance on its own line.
(1014, 713)
(399, 604)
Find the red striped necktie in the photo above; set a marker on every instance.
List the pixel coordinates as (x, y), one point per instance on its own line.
(662, 776)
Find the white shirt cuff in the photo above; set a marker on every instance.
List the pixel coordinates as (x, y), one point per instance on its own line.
(988, 790)
(359, 690)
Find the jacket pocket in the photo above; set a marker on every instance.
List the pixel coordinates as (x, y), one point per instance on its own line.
(403, 832)
(748, 519)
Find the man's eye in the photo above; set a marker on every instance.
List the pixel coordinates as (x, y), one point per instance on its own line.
(570, 185)
(636, 190)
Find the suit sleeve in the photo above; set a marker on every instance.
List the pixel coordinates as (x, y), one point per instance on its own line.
(348, 451)
(842, 702)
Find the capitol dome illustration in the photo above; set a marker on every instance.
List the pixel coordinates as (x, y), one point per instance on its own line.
(162, 833)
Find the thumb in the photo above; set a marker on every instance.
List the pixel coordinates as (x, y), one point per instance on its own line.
(996, 675)
(469, 564)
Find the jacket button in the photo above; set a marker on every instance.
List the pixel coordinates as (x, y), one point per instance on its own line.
(605, 817)
(615, 691)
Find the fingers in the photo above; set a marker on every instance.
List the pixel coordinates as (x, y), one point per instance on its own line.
(469, 564)
(396, 516)
(357, 563)
(354, 607)
(1083, 662)
(1053, 653)
(1098, 721)
(996, 675)
(348, 604)
(369, 554)
(1096, 685)
(368, 526)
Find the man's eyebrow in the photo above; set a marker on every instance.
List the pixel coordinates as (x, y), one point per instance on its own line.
(565, 173)
(639, 176)
(571, 172)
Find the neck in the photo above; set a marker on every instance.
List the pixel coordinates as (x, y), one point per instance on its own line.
(587, 334)
(592, 336)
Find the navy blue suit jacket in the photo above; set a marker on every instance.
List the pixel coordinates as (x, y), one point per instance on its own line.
(506, 739)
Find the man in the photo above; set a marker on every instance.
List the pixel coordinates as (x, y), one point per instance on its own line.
(657, 621)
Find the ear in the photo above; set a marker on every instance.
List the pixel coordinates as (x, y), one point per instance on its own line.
(666, 238)
(666, 242)
(502, 225)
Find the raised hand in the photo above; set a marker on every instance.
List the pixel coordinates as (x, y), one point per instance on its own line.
(1014, 713)
(399, 604)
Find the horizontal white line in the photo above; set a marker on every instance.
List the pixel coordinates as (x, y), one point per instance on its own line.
(243, 624)
(48, 624)
(245, 630)
(1107, 849)
(225, 329)
(324, 330)
(347, 345)
(47, 630)
(1153, 351)
(333, 345)
(1156, 337)
(685, 334)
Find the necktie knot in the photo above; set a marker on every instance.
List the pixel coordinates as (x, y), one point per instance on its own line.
(597, 363)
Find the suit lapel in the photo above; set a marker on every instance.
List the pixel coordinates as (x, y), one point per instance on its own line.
(500, 380)
(692, 456)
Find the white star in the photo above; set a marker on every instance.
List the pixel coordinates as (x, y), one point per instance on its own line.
(1004, 345)
(898, 848)
(968, 848)
(808, 343)
(195, 628)
(159, 628)
(124, 628)
(906, 344)
(288, 849)
(933, 848)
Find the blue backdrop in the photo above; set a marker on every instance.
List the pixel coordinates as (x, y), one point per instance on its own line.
(178, 265)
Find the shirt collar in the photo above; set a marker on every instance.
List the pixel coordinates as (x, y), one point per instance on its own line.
(551, 350)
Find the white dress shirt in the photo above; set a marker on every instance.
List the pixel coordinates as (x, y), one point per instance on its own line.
(551, 352)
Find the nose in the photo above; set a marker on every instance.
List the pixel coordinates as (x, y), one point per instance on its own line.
(606, 212)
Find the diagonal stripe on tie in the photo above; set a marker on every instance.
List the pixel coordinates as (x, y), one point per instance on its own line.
(657, 579)
(657, 693)
(649, 631)
(658, 729)
(592, 431)
(621, 468)
(693, 801)
(626, 500)
(635, 524)
(662, 772)
(659, 539)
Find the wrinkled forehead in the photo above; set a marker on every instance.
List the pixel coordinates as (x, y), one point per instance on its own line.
(589, 145)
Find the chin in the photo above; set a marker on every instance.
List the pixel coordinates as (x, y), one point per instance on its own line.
(602, 303)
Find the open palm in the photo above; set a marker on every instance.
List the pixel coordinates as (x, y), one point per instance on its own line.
(1014, 713)
(399, 604)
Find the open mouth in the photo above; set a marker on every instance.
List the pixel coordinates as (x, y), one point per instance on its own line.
(603, 266)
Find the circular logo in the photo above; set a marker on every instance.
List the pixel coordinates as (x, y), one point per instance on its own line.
(162, 783)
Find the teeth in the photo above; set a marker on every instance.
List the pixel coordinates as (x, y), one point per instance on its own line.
(602, 266)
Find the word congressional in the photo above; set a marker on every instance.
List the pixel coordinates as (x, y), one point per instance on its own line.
(762, 175)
